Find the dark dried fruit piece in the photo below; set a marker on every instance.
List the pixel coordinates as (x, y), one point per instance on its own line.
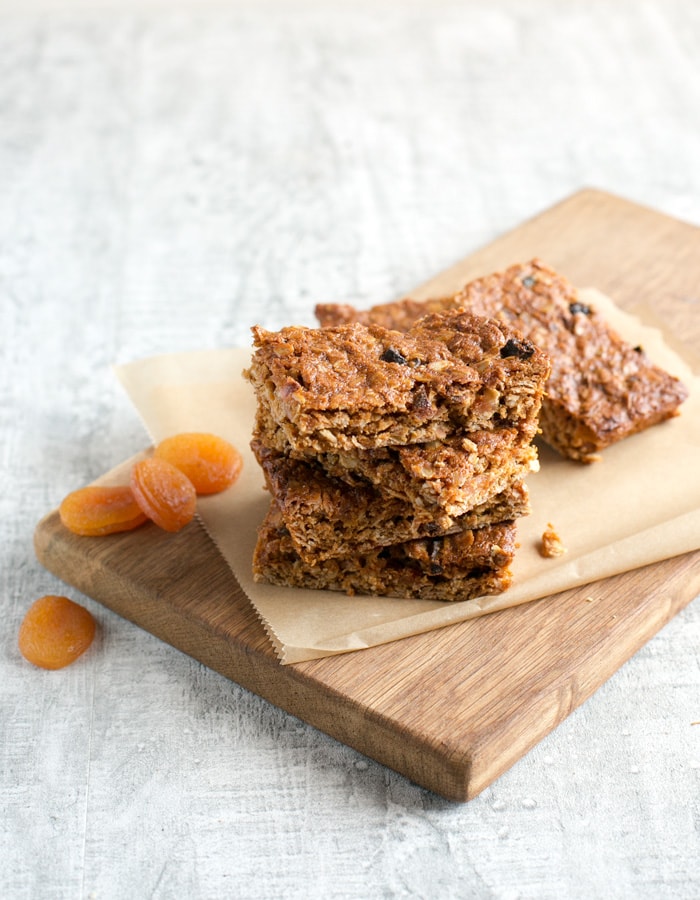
(421, 402)
(514, 347)
(578, 307)
(393, 356)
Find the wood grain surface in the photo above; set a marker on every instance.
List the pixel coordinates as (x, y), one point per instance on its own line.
(453, 709)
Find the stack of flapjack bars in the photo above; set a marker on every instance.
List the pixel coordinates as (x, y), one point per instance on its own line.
(396, 461)
(395, 440)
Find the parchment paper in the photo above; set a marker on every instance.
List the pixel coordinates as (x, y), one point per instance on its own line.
(639, 505)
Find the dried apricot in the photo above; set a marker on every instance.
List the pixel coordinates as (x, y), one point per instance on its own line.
(55, 632)
(211, 463)
(97, 510)
(165, 494)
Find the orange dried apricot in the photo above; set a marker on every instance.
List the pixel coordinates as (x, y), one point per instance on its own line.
(97, 510)
(55, 632)
(211, 463)
(165, 494)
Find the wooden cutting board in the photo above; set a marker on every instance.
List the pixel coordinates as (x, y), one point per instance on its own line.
(451, 709)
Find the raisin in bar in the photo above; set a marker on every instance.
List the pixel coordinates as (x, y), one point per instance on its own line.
(461, 566)
(326, 517)
(601, 388)
(367, 387)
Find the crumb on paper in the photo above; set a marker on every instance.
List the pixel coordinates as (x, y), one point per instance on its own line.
(589, 599)
(551, 545)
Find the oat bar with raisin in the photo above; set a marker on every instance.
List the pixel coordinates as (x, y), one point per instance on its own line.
(327, 517)
(601, 388)
(446, 477)
(366, 387)
(460, 566)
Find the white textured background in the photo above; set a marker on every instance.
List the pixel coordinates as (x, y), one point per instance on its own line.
(171, 174)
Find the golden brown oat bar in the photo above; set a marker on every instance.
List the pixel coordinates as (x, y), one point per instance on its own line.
(326, 517)
(461, 566)
(601, 388)
(366, 387)
(397, 315)
(440, 478)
